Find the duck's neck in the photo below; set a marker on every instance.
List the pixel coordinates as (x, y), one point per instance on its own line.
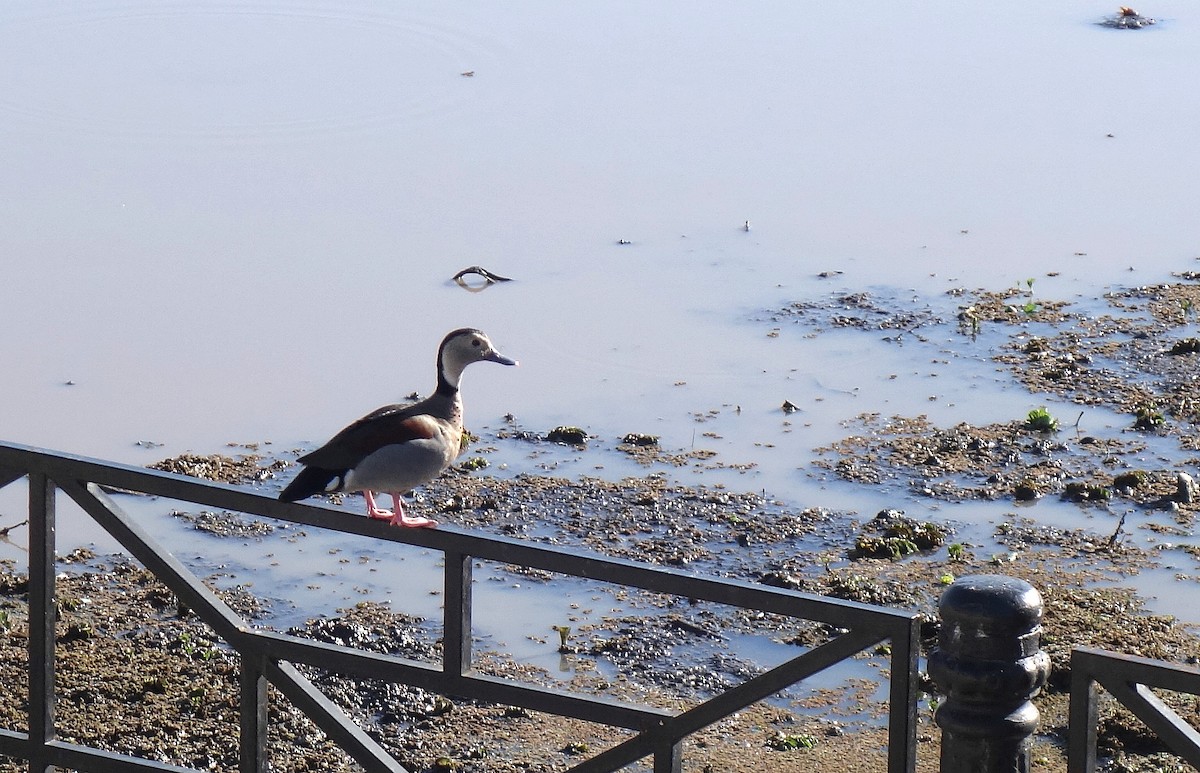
(445, 402)
(448, 378)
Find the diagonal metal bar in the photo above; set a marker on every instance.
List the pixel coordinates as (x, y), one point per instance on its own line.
(67, 756)
(1174, 731)
(7, 476)
(370, 665)
(331, 719)
(731, 701)
(216, 613)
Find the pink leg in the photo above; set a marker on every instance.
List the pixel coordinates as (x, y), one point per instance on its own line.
(373, 510)
(401, 519)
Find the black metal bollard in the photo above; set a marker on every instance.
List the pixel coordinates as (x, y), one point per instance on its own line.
(988, 665)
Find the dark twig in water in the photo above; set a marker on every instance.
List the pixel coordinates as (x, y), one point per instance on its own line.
(1112, 541)
(481, 271)
(4, 532)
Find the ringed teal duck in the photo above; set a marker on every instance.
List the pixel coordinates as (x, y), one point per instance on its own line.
(399, 447)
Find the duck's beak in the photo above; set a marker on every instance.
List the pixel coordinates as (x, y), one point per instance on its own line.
(495, 356)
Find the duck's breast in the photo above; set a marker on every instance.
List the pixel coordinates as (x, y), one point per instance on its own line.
(401, 466)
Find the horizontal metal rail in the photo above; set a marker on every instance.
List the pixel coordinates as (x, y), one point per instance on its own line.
(269, 657)
(1129, 680)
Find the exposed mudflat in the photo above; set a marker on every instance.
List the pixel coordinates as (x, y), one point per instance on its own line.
(178, 702)
(140, 674)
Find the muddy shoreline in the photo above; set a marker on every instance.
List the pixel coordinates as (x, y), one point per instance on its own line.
(179, 702)
(1136, 360)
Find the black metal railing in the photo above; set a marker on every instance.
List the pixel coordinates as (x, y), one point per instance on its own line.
(1130, 680)
(270, 658)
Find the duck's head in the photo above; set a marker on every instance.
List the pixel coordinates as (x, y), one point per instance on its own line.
(462, 347)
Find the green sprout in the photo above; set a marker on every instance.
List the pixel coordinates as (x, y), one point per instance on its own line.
(786, 741)
(956, 551)
(1040, 419)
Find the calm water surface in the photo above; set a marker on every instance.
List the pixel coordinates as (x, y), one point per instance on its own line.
(237, 222)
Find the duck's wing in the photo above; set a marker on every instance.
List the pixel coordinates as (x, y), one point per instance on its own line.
(389, 425)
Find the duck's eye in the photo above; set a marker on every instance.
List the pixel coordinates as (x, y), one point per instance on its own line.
(476, 342)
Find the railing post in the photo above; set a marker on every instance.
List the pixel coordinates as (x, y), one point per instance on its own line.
(988, 665)
(668, 758)
(456, 633)
(254, 703)
(1083, 717)
(42, 617)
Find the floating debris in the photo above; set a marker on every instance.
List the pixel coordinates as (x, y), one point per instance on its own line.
(489, 278)
(1127, 19)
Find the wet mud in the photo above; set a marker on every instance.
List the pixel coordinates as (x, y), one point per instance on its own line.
(1136, 358)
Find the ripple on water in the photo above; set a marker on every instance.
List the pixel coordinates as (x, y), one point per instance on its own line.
(141, 71)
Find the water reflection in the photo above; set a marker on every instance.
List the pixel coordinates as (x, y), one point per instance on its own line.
(488, 278)
(212, 214)
(229, 72)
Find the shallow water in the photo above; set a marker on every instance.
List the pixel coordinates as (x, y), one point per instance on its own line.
(237, 223)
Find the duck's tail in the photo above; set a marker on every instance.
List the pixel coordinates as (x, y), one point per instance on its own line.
(312, 480)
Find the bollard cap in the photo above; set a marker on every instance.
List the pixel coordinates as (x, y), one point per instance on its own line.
(991, 616)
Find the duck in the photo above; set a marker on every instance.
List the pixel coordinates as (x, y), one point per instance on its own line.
(398, 447)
